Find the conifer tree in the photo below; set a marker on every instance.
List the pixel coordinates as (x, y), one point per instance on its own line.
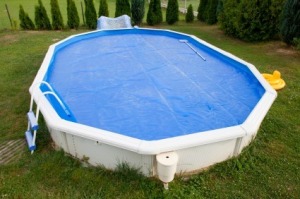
(290, 22)
(122, 8)
(41, 18)
(90, 14)
(172, 14)
(73, 17)
(154, 15)
(25, 21)
(202, 10)
(137, 11)
(103, 8)
(189, 17)
(211, 7)
(57, 20)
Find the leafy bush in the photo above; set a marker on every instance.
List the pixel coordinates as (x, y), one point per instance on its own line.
(202, 10)
(296, 42)
(154, 15)
(189, 17)
(172, 15)
(290, 22)
(73, 18)
(122, 7)
(41, 18)
(137, 11)
(57, 20)
(103, 8)
(90, 14)
(25, 21)
(251, 20)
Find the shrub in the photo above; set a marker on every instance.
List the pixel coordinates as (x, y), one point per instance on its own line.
(122, 7)
(220, 8)
(202, 10)
(251, 20)
(57, 20)
(290, 22)
(189, 17)
(154, 15)
(137, 11)
(211, 7)
(90, 14)
(25, 21)
(41, 18)
(172, 12)
(73, 18)
(103, 8)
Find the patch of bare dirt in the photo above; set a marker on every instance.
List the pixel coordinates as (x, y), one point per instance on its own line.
(285, 51)
(8, 39)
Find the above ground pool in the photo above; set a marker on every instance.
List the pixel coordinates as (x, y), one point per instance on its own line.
(133, 95)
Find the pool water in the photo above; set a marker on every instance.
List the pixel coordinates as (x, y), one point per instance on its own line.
(150, 86)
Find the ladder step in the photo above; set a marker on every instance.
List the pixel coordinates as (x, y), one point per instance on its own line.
(29, 140)
(32, 120)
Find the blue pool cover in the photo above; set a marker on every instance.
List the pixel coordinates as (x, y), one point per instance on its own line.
(149, 85)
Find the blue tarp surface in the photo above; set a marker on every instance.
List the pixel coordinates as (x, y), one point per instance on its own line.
(151, 86)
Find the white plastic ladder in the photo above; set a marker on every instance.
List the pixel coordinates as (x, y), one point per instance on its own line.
(33, 118)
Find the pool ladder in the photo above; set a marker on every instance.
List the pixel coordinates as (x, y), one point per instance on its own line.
(33, 126)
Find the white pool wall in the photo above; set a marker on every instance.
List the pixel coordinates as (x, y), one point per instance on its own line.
(108, 149)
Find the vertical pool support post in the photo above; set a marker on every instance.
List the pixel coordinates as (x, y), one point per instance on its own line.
(166, 167)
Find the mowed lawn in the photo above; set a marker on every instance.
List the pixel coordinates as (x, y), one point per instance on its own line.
(268, 168)
(29, 5)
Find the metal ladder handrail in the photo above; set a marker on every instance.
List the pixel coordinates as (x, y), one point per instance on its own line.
(51, 92)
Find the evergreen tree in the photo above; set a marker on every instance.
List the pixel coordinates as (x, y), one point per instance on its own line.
(103, 8)
(90, 14)
(57, 20)
(150, 14)
(189, 17)
(41, 18)
(202, 10)
(172, 15)
(137, 11)
(290, 21)
(220, 8)
(154, 15)
(73, 17)
(122, 8)
(211, 17)
(25, 21)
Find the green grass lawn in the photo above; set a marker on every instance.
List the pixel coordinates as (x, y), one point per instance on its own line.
(268, 168)
(28, 5)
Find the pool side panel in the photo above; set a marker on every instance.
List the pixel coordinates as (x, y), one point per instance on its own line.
(195, 151)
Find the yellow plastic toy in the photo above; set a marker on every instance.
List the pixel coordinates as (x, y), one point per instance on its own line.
(275, 80)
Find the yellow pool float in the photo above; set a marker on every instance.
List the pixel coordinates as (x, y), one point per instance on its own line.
(275, 80)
